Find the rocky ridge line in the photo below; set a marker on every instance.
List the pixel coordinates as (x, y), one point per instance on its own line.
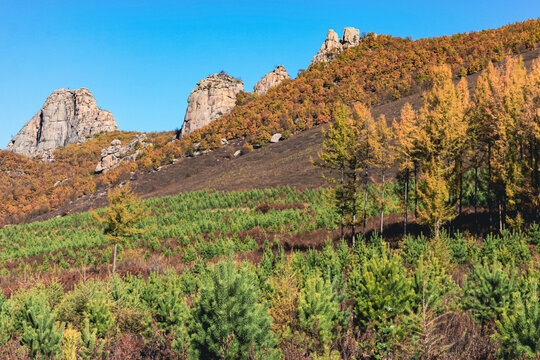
(333, 46)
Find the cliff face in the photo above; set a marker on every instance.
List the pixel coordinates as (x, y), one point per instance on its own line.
(214, 97)
(67, 117)
(271, 79)
(332, 46)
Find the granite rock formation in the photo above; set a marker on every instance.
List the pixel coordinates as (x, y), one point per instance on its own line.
(270, 80)
(67, 117)
(332, 46)
(115, 154)
(213, 98)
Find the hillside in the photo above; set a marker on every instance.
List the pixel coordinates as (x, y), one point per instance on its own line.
(287, 163)
(381, 69)
(422, 241)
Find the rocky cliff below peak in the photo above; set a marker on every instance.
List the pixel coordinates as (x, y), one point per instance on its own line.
(273, 78)
(67, 117)
(332, 46)
(213, 98)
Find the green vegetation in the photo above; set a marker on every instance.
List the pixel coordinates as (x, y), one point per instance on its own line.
(245, 275)
(389, 302)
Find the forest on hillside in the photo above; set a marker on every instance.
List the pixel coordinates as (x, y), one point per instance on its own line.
(382, 68)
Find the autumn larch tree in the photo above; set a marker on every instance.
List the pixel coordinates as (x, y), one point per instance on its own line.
(121, 217)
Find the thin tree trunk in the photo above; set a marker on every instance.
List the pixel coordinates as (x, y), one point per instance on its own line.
(536, 178)
(354, 207)
(366, 176)
(406, 202)
(502, 201)
(476, 196)
(382, 204)
(415, 189)
(365, 203)
(500, 216)
(460, 190)
(114, 258)
(489, 187)
(342, 205)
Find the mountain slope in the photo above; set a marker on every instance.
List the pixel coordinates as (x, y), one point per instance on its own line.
(381, 69)
(286, 163)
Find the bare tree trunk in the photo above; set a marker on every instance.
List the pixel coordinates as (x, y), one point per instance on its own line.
(476, 196)
(489, 187)
(354, 208)
(382, 204)
(114, 258)
(500, 216)
(415, 189)
(406, 202)
(342, 204)
(536, 178)
(460, 189)
(366, 177)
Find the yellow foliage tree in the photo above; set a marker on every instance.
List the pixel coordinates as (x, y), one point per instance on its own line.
(121, 217)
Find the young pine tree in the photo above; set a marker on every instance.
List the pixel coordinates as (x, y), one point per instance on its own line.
(228, 321)
(70, 343)
(381, 290)
(91, 346)
(519, 329)
(41, 334)
(319, 313)
(489, 291)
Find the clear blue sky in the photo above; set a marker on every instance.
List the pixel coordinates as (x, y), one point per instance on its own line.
(141, 59)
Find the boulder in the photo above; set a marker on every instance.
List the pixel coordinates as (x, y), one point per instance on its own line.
(67, 117)
(275, 138)
(213, 98)
(273, 78)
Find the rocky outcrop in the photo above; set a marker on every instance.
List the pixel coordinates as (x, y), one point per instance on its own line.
(67, 117)
(213, 98)
(333, 46)
(270, 80)
(115, 154)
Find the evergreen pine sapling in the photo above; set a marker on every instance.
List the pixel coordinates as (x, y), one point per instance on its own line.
(91, 346)
(489, 291)
(319, 313)
(41, 334)
(519, 328)
(228, 321)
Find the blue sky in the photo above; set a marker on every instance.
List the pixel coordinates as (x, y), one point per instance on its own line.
(141, 59)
